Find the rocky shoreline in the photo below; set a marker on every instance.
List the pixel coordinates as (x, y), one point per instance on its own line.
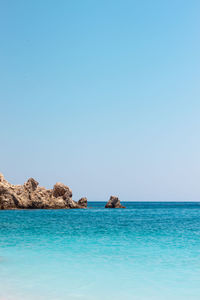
(31, 196)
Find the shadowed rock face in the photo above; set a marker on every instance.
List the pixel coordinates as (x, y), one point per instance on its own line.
(31, 195)
(114, 202)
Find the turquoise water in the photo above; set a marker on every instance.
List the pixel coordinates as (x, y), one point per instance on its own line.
(149, 251)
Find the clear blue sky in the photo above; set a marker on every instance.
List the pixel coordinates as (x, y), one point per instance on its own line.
(103, 96)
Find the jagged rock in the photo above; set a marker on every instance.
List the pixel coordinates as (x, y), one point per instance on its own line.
(31, 185)
(60, 190)
(83, 202)
(31, 195)
(72, 204)
(8, 199)
(1, 178)
(114, 202)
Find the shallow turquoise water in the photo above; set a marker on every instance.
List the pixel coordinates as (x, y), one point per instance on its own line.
(149, 251)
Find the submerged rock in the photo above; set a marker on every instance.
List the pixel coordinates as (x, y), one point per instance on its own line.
(114, 202)
(31, 195)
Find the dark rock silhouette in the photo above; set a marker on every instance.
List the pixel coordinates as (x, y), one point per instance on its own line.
(31, 195)
(114, 202)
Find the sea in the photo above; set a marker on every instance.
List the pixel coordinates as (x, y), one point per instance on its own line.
(148, 251)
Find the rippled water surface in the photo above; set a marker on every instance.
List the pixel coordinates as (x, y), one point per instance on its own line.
(149, 251)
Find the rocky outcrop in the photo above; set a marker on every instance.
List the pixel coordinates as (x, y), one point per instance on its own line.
(83, 202)
(31, 195)
(114, 202)
(61, 190)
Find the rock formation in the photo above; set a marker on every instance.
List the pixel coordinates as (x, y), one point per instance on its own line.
(83, 202)
(114, 202)
(31, 195)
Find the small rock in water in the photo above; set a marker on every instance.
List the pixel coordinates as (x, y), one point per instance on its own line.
(83, 202)
(114, 202)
